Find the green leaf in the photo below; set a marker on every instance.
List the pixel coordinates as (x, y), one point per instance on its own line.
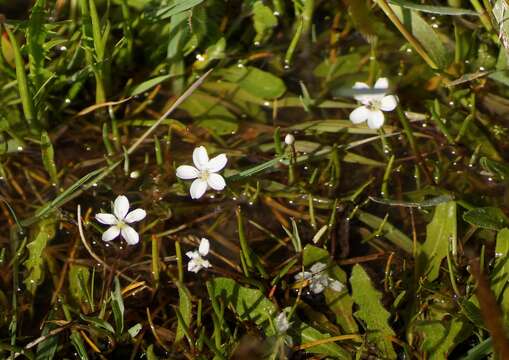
(36, 35)
(135, 330)
(48, 157)
(440, 10)
(149, 84)
(117, 305)
(440, 233)
(308, 334)
(372, 312)
(175, 8)
(255, 81)
(249, 304)
(186, 310)
(487, 218)
(41, 234)
(500, 273)
(99, 323)
(424, 33)
(264, 21)
(441, 336)
(208, 112)
(252, 305)
(78, 278)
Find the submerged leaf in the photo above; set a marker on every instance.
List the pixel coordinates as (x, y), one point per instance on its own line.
(255, 81)
(487, 218)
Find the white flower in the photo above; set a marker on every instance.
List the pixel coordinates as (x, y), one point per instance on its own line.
(197, 261)
(119, 220)
(281, 323)
(289, 139)
(204, 171)
(373, 104)
(319, 279)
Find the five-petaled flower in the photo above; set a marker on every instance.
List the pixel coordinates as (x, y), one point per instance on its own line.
(318, 279)
(119, 221)
(197, 262)
(204, 172)
(373, 104)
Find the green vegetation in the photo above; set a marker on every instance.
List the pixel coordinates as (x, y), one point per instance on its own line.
(347, 161)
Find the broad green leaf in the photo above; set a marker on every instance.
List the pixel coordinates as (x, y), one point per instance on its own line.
(424, 33)
(264, 21)
(440, 10)
(186, 310)
(372, 313)
(208, 112)
(440, 336)
(175, 8)
(440, 233)
(340, 303)
(252, 305)
(249, 304)
(500, 11)
(149, 84)
(487, 218)
(40, 235)
(255, 81)
(307, 334)
(117, 305)
(500, 273)
(78, 277)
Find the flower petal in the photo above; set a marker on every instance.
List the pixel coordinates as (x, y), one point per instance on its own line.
(135, 215)
(382, 84)
(359, 115)
(335, 285)
(375, 119)
(318, 267)
(388, 103)
(217, 163)
(205, 264)
(281, 323)
(111, 233)
(106, 219)
(187, 172)
(216, 182)
(192, 254)
(121, 207)
(358, 93)
(130, 235)
(204, 247)
(316, 287)
(303, 275)
(200, 157)
(198, 188)
(193, 266)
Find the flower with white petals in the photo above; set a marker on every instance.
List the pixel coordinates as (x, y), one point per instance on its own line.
(289, 139)
(281, 323)
(119, 221)
(197, 262)
(204, 172)
(373, 104)
(318, 279)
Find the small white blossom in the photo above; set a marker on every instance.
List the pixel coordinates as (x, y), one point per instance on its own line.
(289, 139)
(319, 279)
(373, 105)
(204, 172)
(119, 221)
(282, 324)
(197, 261)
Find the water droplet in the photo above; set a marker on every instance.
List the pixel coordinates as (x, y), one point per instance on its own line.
(20, 148)
(276, 13)
(67, 100)
(266, 103)
(62, 48)
(134, 174)
(481, 68)
(200, 57)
